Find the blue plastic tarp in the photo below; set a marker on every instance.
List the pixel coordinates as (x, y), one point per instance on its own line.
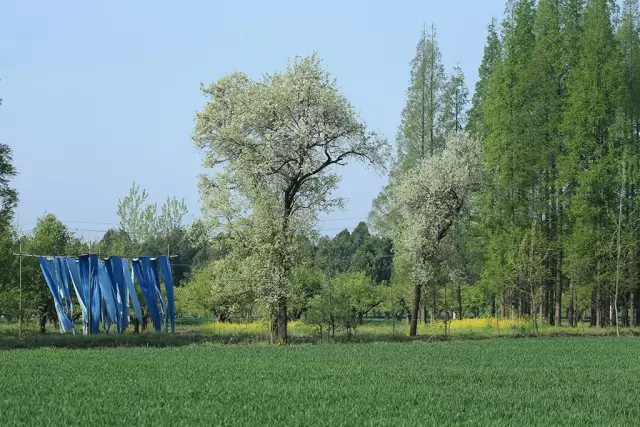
(151, 264)
(94, 293)
(128, 278)
(74, 271)
(55, 284)
(103, 290)
(108, 297)
(167, 278)
(146, 280)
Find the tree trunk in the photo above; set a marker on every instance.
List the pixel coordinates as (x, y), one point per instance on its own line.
(598, 309)
(413, 326)
(279, 324)
(434, 307)
(636, 308)
(594, 307)
(503, 308)
(459, 296)
(43, 323)
(492, 303)
(571, 308)
(625, 312)
(550, 304)
(541, 310)
(425, 313)
(558, 318)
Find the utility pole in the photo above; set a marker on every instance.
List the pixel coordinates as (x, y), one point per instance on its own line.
(20, 299)
(89, 326)
(166, 324)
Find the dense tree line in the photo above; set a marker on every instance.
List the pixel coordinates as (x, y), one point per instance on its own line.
(524, 204)
(556, 109)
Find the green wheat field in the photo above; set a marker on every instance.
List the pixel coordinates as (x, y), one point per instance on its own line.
(559, 381)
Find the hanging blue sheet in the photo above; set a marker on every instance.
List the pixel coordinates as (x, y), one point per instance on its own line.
(108, 297)
(64, 281)
(128, 279)
(54, 284)
(167, 278)
(94, 293)
(120, 291)
(74, 271)
(145, 276)
(83, 269)
(152, 265)
(103, 289)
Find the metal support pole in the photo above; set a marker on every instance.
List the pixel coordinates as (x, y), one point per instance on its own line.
(89, 323)
(20, 299)
(166, 324)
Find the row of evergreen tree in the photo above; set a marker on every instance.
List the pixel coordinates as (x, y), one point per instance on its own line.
(558, 109)
(554, 229)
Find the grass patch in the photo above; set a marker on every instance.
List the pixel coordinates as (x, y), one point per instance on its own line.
(202, 331)
(491, 382)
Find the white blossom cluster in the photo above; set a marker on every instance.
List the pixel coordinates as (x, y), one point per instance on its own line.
(430, 199)
(274, 145)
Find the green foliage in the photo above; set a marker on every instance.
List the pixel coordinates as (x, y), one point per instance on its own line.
(307, 283)
(50, 237)
(358, 251)
(8, 195)
(420, 134)
(223, 288)
(344, 301)
(141, 221)
(490, 59)
(455, 97)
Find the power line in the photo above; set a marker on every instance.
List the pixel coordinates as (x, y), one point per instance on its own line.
(342, 219)
(77, 222)
(118, 224)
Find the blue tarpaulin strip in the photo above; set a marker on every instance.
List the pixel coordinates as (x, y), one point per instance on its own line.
(128, 279)
(83, 268)
(115, 270)
(106, 290)
(152, 266)
(74, 272)
(65, 323)
(109, 272)
(60, 283)
(103, 290)
(146, 285)
(94, 293)
(167, 278)
(64, 286)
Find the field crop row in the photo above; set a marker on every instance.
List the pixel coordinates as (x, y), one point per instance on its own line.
(498, 382)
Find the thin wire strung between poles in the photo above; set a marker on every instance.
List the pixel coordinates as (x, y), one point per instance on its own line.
(27, 255)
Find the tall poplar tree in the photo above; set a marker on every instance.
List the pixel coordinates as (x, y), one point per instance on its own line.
(455, 98)
(628, 38)
(509, 193)
(490, 59)
(546, 78)
(420, 134)
(594, 140)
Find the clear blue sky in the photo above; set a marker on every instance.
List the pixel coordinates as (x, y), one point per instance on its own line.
(99, 94)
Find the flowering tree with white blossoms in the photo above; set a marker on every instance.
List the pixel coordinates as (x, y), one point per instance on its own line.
(430, 199)
(275, 144)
